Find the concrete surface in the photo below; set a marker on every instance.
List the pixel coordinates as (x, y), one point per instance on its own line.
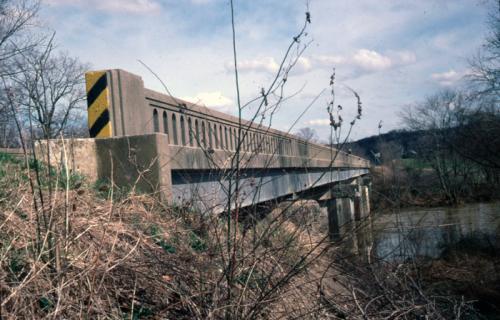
(137, 162)
(136, 110)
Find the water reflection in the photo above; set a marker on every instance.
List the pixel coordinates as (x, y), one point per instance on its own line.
(426, 232)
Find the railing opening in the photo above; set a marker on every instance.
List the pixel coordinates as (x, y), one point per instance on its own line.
(156, 121)
(165, 123)
(191, 133)
(174, 130)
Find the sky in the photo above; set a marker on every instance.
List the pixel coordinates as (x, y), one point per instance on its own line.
(392, 52)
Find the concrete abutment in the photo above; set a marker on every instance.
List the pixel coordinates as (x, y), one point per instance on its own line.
(137, 162)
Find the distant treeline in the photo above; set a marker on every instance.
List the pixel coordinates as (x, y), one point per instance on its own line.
(402, 141)
(450, 151)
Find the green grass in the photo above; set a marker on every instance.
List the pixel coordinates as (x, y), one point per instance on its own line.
(156, 234)
(104, 189)
(14, 170)
(411, 163)
(8, 158)
(197, 243)
(45, 304)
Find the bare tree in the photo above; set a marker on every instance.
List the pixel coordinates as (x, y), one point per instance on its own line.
(444, 119)
(16, 17)
(308, 134)
(486, 63)
(50, 90)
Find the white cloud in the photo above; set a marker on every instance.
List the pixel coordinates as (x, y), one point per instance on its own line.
(329, 60)
(367, 60)
(130, 6)
(303, 64)
(318, 122)
(215, 100)
(264, 64)
(364, 59)
(447, 78)
(269, 65)
(405, 57)
(199, 45)
(371, 60)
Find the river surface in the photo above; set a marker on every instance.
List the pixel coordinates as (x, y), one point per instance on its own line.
(428, 231)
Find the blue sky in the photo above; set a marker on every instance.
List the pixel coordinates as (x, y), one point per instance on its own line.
(393, 52)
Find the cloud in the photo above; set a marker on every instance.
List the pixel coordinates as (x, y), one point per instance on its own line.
(371, 60)
(215, 100)
(269, 65)
(328, 60)
(318, 122)
(366, 60)
(448, 78)
(303, 64)
(404, 57)
(362, 59)
(129, 6)
(386, 51)
(264, 64)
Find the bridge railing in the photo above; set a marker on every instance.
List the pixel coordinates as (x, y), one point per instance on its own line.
(132, 109)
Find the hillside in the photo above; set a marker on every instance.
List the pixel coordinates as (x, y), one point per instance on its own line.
(396, 143)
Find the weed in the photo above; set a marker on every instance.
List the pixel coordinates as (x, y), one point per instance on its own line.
(104, 189)
(17, 265)
(45, 304)
(21, 214)
(196, 243)
(75, 180)
(156, 234)
(254, 279)
(8, 158)
(139, 313)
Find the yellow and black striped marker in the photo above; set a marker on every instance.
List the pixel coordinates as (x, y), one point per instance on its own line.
(98, 104)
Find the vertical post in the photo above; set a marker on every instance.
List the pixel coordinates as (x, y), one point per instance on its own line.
(361, 201)
(332, 213)
(358, 211)
(365, 200)
(117, 104)
(98, 105)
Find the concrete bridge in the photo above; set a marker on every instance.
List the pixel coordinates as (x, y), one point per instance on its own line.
(157, 143)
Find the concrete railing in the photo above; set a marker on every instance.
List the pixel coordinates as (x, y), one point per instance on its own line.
(119, 105)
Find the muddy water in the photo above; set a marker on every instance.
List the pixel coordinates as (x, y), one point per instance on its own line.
(427, 232)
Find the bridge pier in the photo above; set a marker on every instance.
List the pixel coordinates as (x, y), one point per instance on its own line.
(346, 206)
(340, 213)
(361, 200)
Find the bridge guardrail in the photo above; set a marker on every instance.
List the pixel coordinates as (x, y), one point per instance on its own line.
(119, 105)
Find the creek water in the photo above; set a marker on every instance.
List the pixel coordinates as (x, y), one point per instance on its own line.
(429, 231)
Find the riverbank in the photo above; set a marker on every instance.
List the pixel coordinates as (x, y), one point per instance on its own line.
(449, 253)
(459, 285)
(102, 252)
(470, 269)
(400, 185)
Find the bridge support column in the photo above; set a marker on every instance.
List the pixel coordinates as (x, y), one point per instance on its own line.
(340, 212)
(361, 201)
(365, 200)
(333, 220)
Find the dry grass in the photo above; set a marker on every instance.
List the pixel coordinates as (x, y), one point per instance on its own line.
(133, 257)
(137, 258)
